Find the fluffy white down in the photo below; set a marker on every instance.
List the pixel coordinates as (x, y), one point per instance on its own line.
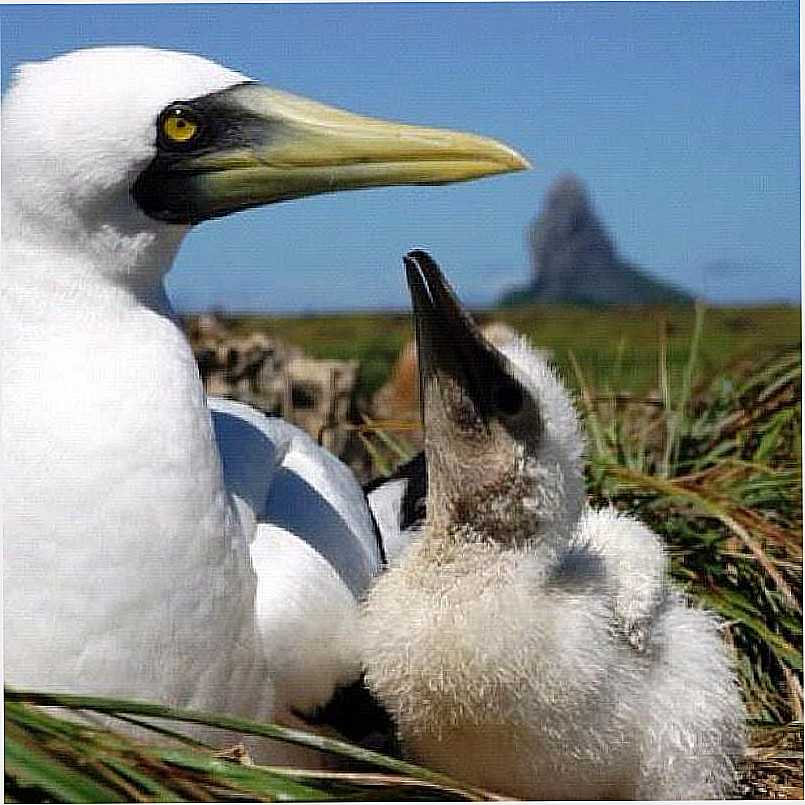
(557, 470)
(562, 669)
(635, 567)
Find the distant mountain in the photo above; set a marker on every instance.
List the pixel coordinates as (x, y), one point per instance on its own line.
(575, 261)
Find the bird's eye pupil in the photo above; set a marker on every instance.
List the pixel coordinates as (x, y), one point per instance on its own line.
(179, 126)
(508, 398)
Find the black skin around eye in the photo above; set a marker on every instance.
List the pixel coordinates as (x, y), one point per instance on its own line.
(508, 398)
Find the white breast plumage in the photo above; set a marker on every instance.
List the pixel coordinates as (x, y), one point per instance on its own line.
(153, 550)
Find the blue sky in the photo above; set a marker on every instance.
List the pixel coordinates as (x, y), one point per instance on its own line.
(682, 118)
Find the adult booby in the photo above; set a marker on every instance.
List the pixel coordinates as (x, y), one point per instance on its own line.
(524, 642)
(153, 548)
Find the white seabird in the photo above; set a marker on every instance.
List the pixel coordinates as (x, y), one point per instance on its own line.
(153, 550)
(524, 642)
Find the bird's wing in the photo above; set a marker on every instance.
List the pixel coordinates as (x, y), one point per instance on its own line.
(309, 622)
(635, 566)
(307, 619)
(398, 505)
(289, 481)
(251, 452)
(316, 496)
(314, 551)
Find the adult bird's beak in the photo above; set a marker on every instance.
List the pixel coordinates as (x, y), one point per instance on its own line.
(262, 146)
(459, 370)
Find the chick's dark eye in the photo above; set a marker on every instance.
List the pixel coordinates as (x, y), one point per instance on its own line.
(508, 398)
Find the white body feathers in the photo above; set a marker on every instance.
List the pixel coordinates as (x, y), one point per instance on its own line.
(127, 534)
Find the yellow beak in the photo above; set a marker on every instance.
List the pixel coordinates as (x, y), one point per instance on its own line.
(277, 146)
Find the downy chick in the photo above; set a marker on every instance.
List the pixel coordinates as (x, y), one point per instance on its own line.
(524, 642)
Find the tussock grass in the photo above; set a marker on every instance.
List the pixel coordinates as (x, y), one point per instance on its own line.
(49, 758)
(716, 468)
(719, 476)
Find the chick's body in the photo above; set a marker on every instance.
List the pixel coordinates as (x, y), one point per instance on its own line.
(524, 642)
(514, 674)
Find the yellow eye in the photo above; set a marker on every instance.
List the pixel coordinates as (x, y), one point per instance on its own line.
(178, 127)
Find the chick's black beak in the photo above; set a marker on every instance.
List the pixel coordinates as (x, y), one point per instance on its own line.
(458, 367)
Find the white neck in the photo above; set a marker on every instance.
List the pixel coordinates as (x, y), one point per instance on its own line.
(115, 509)
(88, 267)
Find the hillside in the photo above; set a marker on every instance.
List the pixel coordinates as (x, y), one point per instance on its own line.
(575, 261)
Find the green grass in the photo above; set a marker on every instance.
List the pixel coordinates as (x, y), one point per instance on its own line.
(720, 479)
(716, 469)
(51, 758)
(614, 347)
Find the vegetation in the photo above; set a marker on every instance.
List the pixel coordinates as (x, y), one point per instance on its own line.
(55, 759)
(694, 424)
(615, 346)
(716, 467)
